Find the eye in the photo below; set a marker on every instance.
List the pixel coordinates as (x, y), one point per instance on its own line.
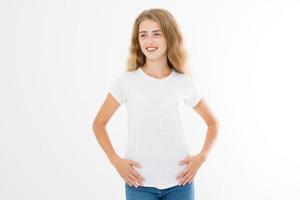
(157, 34)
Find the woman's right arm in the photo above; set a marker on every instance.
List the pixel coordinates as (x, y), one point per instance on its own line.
(123, 166)
(107, 109)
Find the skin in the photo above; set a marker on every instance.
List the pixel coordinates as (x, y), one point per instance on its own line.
(157, 67)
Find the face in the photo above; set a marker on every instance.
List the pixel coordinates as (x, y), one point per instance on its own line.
(152, 40)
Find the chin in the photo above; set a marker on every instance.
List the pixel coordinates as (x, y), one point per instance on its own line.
(154, 57)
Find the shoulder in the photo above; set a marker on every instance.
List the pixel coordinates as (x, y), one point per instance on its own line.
(128, 74)
(187, 81)
(123, 78)
(184, 78)
(123, 75)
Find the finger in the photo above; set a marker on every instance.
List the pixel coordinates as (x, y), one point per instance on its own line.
(137, 179)
(138, 175)
(182, 162)
(181, 174)
(135, 164)
(130, 181)
(188, 180)
(181, 181)
(134, 180)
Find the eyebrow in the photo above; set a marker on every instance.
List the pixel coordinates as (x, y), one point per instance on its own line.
(152, 31)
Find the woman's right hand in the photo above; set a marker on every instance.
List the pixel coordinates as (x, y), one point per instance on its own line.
(126, 170)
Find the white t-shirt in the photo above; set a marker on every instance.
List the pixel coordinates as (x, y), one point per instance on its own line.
(156, 138)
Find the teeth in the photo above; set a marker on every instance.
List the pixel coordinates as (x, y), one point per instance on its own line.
(151, 49)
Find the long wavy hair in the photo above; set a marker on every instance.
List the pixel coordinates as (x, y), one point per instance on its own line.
(176, 51)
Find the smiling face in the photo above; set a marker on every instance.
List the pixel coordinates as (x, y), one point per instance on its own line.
(152, 40)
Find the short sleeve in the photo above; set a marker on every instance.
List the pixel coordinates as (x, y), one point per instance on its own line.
(193, 93)
(118, 89)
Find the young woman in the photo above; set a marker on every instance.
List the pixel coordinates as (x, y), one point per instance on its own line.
(157, 163)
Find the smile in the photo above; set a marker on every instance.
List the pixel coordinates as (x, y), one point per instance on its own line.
(151, 49)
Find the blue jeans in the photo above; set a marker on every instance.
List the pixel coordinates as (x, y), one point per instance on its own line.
(177, 192)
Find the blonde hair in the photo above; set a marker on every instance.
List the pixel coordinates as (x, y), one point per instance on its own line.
(176, 52)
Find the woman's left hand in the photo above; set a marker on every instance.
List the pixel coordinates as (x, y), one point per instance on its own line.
(193, 164)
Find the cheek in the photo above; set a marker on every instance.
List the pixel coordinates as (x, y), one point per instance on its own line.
(142, 44)
(162, 43)
(163, 46)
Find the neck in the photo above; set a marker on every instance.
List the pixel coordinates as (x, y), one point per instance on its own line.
(157, 67)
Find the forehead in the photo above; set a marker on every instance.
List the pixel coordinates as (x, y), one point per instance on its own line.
(148, 25)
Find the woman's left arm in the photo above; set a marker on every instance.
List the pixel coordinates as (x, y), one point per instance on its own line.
(212, 123)
(194, 162)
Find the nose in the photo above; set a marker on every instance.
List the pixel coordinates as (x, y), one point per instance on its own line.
(150, 39)
(150, 42)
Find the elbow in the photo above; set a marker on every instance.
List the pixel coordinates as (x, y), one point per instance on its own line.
(214, 124)
(96, 125)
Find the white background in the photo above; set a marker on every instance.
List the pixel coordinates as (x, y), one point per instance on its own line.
(58, 59)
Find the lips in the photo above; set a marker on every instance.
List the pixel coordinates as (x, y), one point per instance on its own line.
(151, 48)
